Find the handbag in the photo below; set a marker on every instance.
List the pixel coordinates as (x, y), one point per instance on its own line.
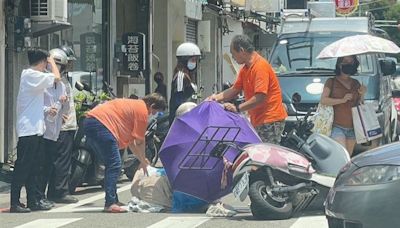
(365, 123)
(323, 119)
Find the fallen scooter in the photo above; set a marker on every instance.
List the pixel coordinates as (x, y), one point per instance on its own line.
(282, 180)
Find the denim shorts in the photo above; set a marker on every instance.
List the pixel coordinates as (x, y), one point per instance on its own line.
(342, 132)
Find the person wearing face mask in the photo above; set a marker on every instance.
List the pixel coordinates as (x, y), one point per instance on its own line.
(183, 86)
(115, 125)
(343, 92)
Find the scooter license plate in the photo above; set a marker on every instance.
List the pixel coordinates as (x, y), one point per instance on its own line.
(241, 189)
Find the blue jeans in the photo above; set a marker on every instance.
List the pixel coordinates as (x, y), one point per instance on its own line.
(342, 132)
(105, 145)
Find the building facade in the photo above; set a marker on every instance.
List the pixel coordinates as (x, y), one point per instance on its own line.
(122, 42)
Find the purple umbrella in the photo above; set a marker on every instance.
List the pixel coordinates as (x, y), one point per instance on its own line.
(188, 152)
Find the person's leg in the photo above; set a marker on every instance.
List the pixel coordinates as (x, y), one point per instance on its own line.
(271, 132)
(103, 140)
(350, 143)
(339, 136)
(279, 128)
(46, 152)
(27, 148)
(112, 172)
(58, 185)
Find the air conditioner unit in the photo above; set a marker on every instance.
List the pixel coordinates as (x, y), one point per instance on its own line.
(49, 10)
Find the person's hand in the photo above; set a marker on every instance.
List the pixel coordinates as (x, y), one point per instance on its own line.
(143, 165)
(65, 118)
(230, 107)
(51, 60)
(53, 111)
(63, 99)
(362, 90)
(213, 97)
(347, 97)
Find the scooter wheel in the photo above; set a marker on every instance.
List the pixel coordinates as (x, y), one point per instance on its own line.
(78, 172)
(264, 206)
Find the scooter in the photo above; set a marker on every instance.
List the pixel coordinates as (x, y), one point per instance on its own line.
(282, 180)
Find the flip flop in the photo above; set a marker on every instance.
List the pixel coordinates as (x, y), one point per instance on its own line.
(114, 208)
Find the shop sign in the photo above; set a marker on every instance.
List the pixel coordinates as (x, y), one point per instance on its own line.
(134, 47)
(90, 50)
(346, 7)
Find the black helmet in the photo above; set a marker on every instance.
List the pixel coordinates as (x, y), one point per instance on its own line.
(69, 52)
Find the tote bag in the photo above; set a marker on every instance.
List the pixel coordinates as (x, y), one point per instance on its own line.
(365, 123)
(323, 119)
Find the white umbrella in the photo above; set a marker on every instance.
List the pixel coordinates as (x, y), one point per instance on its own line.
(358, 44)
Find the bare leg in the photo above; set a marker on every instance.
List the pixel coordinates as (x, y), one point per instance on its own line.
(350, 143)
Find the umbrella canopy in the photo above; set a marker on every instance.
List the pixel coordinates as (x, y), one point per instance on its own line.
(358, 44)
(186, 152)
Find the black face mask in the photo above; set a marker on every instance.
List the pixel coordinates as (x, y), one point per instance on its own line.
(349, 69)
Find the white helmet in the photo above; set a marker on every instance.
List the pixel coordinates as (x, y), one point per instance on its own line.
(59, 56)
(188, 49)
(184, 108)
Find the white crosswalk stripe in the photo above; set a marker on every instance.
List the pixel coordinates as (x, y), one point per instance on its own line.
(180, 222)
(311, 222)
(49, 223)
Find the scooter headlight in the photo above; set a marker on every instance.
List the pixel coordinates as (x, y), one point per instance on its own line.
(370, 175)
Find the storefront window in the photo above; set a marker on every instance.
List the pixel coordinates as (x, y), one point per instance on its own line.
(86, 38)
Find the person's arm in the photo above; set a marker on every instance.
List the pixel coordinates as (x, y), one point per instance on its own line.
(138, 148)
(54, 69)
(64, 99)
(225, 95)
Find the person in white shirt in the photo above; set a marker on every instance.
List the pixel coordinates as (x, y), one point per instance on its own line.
(55, 96)
(58, 142)
(30, 129)
(58, 190)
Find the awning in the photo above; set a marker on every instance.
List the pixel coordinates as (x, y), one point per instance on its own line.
(40, 28)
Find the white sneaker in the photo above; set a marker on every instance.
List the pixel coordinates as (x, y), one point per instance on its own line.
(218, 210)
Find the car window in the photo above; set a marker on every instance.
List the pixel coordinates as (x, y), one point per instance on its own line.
(294, 54)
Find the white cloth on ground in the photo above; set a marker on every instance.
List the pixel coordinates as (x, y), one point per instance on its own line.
(137, 205)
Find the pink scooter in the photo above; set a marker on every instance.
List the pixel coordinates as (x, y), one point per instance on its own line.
(281, 180)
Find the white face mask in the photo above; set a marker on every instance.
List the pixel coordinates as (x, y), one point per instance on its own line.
(191, 65)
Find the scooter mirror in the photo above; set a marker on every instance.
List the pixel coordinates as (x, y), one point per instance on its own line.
(296, 98)
(79, 86)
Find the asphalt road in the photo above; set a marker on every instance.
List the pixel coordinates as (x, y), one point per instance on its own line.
(87, 213)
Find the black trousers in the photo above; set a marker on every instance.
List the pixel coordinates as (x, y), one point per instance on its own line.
(47, 151)
(57, 165)
(61, 161)
(26, 169)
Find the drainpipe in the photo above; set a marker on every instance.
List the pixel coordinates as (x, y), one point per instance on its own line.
(2, 77)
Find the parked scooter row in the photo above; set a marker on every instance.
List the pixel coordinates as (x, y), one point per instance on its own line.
(281, 180)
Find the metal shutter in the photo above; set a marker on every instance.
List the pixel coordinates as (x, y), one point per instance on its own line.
(191, 31)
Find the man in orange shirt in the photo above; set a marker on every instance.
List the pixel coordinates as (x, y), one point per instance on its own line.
(115, 125)
(261, 91)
